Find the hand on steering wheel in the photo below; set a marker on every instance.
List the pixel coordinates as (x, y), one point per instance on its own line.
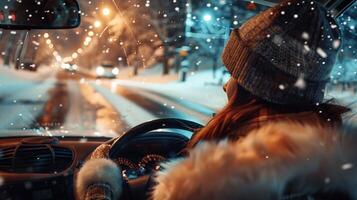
(102, 151)
(111, 149)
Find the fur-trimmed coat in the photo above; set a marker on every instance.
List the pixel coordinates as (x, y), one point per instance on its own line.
(280, 158)
(274, 160)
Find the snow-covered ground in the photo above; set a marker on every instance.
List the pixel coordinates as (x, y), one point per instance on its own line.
(107, 121)
(200, 87)
(109, 107)
(27, 96)
(150, 95)
(132, 114)
(23, 95)
(202, 90)
(13, 80)
(147, 75)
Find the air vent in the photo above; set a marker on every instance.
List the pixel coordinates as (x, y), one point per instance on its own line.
(6, 157)
(35, 158)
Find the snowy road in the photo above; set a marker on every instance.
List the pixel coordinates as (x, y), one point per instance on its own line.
(137, 105)
(22, 98)
(68, 104)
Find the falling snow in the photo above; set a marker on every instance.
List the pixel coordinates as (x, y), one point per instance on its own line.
(144, 39)
(347, 166)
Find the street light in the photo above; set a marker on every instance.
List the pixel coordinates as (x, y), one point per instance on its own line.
(97, 24)
(74, 55)
(207, 17)
(90, 33)
(79, 50)
(106, 11)
(88, 39)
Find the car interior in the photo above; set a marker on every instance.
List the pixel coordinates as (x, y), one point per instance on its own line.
(45, 167)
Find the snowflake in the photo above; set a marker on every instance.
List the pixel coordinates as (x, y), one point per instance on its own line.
(321, 52)
(300, 83)
(347, 166)
(281, 87)
(336, 44)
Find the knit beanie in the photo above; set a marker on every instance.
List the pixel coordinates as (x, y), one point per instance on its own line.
(285, 54)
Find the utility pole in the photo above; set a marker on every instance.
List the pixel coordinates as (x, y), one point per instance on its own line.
(21, 49)
(9, 48)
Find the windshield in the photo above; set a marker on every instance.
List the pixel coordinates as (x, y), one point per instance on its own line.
(131, 62)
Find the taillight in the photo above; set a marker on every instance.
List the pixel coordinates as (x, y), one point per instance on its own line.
(2, 16)
(12, 16)
(251, 6)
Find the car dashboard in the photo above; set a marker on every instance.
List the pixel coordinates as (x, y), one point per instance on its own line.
(45, 167)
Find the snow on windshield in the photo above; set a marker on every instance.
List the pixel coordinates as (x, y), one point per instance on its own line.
(134, 61)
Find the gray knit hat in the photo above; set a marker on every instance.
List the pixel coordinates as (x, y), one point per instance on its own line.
(285, 54)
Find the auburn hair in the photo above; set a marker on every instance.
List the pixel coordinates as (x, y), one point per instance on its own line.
(241, 108)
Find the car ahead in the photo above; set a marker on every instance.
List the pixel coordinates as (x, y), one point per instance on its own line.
(28, 65)
(106, 71)
(50, 127)
(69, 67)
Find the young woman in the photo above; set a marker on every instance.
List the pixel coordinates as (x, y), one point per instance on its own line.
(282, 134)
(280, 62)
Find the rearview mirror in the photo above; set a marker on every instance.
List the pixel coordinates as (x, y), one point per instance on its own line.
(39, 14)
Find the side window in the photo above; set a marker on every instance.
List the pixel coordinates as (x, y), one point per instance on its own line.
(343, 86)
(207, 28)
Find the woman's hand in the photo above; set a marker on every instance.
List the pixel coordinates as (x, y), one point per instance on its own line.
(101, 151)
(100, 177)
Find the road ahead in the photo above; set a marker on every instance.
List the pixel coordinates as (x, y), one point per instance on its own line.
(69, 104)
(77, 105)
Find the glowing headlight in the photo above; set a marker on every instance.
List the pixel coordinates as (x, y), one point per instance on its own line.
(100, 71)
(115, 71)
(65, 66)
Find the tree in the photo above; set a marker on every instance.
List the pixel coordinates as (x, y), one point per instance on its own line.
(208, 26)
(141, 28)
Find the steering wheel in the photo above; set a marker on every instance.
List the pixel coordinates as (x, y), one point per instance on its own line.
(138, 188)
(167, 123)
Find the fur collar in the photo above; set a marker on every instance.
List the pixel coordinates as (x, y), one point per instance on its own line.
(261, 165)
